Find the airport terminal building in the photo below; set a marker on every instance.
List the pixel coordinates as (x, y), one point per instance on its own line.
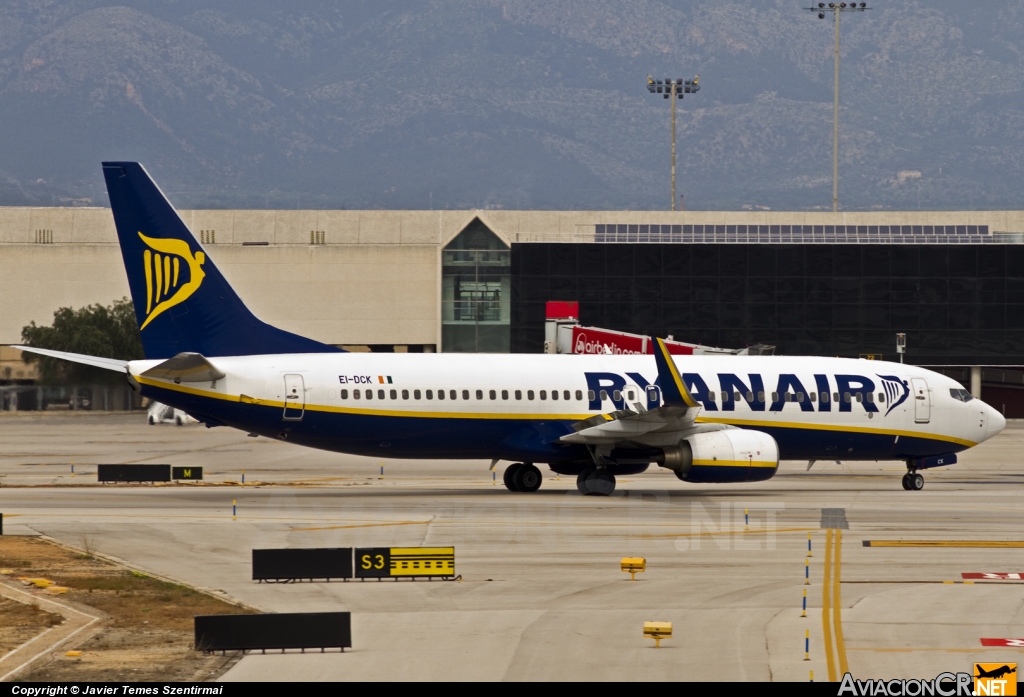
(840, 284)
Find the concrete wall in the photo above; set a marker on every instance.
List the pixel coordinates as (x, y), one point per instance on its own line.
(376, 280)
(366, 294)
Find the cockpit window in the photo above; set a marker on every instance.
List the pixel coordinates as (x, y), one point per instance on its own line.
(960, 395)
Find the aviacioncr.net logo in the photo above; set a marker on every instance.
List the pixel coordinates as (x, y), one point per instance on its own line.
(943, 685)
(169, 282)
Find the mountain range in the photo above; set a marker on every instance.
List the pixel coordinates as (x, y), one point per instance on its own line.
(516, 104)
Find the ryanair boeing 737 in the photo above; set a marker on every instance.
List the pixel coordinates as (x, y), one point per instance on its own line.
(706, 418)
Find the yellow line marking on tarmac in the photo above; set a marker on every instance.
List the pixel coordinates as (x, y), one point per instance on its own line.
(1016, 544)
(826, 627)
(837, 605)
(364, 525)
(653, 536)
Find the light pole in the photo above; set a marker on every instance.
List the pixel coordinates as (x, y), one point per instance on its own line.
(673, 88)
(837, 8)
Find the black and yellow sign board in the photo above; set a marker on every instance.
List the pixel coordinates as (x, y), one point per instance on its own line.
(186, 473)
(398, 562)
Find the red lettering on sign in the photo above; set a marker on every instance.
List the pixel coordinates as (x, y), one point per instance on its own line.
(1015, 643)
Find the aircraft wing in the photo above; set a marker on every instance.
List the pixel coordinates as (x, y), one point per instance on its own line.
(678, 412)
(185, 367)
(94, 361)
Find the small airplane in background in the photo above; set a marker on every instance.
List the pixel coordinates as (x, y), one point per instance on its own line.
(707, 418)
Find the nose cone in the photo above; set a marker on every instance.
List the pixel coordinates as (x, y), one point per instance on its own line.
(994, 422)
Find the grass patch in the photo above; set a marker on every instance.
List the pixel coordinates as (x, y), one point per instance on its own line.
(148, 635)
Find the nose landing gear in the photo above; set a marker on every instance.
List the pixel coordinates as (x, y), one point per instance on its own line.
(913, 481)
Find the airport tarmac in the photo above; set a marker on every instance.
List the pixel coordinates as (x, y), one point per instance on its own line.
(542, 596)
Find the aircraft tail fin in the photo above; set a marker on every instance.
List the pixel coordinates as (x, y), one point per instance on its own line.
(182, 302)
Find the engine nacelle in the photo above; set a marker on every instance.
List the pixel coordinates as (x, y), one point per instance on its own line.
(732, 455)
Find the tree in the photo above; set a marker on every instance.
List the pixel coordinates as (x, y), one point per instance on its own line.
(95, 330)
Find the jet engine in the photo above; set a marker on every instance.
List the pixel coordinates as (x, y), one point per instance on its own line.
(731, 455)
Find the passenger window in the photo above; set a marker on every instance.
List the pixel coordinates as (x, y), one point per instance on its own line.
(529, 394)
(394, 394)
(480, 394)
(712, 396)
(760, 397)
(835, 397)
(380, 394)
(504, 394)
(590, 395)
(750, 396)
(405, 394)
(465, 394)
(824, 397)
(846, 397)
(870, 397)
(800, 396)
(440, 394)
(787, 396)
(355, 394)
(369, 394)
(737, 396)
(881, 397)
(454, 394)
(344, 394)
(616, 395)
(860, 397)
(492, 394)
(430, 394)
(604, 395)
(813, 396)
(519, 394)
(775, 396)
(543, 395)
(554, 394)
(415, 394)
(579, 395)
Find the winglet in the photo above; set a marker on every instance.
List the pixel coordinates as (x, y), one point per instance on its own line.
(673, 390)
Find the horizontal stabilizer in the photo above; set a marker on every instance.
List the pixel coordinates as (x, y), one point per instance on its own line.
(94, 361)
(185, 367)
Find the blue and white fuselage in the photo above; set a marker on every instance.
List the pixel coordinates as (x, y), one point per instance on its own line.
(707, 418)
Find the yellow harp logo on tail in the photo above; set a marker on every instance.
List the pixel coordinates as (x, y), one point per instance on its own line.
(165, 283)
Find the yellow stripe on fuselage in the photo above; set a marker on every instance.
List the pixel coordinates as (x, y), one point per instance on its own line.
(742, 423)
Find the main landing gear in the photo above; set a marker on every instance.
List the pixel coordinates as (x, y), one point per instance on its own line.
(522, 477)
(913, 481)
(594, 481)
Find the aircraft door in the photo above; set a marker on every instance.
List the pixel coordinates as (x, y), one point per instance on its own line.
(294, 397)
(922, 401)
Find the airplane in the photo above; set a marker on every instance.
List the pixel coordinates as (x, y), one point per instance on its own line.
(995, 673)
(708, 419)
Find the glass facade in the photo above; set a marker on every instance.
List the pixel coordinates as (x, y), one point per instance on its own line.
(959, 304)
(475, 292)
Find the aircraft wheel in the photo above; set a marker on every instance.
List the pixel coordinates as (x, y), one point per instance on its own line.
(582, 480)
(179, 421)
(601, 483)
(509, 478)
(151, 420)
(527, 478)
(916, 482)
(906, 481)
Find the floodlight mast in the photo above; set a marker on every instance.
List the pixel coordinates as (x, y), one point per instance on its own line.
(837, 8)
(672, 89)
